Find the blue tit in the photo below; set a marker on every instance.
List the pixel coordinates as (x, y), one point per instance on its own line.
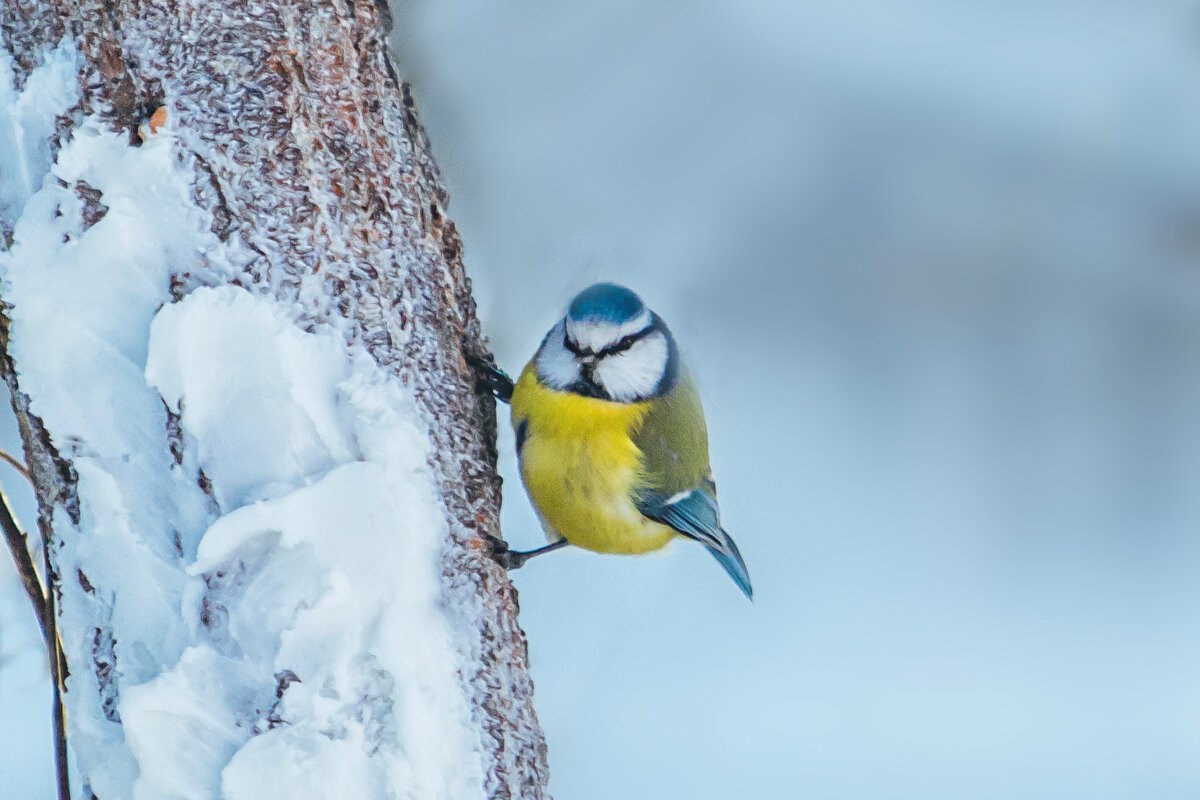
(611, 437)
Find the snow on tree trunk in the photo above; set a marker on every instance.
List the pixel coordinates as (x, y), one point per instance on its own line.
(236, 351)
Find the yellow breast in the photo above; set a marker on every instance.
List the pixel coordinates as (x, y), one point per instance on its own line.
(581, 467)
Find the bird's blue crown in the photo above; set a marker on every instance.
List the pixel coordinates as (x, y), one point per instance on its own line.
(605, 302)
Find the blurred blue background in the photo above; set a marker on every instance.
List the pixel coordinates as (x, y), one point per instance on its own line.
(937, 268)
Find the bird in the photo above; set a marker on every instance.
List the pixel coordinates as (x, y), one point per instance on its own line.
(611, 438)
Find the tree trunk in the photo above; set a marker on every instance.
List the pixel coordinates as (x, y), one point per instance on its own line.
(235, 342)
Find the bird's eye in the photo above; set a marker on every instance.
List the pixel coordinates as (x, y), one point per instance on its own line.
(622, 344)
(619, 346)
(573, 347)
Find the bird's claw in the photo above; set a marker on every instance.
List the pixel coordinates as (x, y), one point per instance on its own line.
(490, 377)
(509, 559)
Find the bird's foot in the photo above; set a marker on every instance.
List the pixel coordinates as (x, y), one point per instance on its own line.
(490, 377)
(514, 559)
(509, 559)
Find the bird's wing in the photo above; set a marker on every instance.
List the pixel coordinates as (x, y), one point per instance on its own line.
(694, 514)
(676, 488)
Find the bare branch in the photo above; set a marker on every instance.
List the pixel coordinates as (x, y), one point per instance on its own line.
(43, 609)
(58, 674)
(13, 462)
(18, 545)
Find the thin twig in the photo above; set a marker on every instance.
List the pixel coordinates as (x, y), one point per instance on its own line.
(15, 463)
(43, 607)
(18, 545)
(62, 775)
(57, 675)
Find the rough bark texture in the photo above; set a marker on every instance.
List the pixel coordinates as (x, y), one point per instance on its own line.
(308, 152)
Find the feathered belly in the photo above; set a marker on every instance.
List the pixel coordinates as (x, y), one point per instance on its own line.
(582, 491)
(581, 468)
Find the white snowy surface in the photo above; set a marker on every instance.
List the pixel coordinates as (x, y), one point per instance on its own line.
(27, 119)
(283, 633)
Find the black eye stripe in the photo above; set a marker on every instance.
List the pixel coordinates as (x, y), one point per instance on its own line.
(623, 344)
(619, 346)
(570, 345)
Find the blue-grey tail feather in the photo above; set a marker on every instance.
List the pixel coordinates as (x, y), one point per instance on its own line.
(731, 559)
(695, 516)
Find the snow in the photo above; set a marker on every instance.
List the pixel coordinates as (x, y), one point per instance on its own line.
(344, 463)
(257, 526)
(270, 417)
(26, 121)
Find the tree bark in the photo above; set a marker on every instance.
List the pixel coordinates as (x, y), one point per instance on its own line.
(306, 159)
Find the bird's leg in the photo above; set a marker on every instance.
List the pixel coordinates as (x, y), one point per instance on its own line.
(489, 376)
(513, 559)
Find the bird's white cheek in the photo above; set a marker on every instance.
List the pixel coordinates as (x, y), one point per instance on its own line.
(634, 374)
(555, 365)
